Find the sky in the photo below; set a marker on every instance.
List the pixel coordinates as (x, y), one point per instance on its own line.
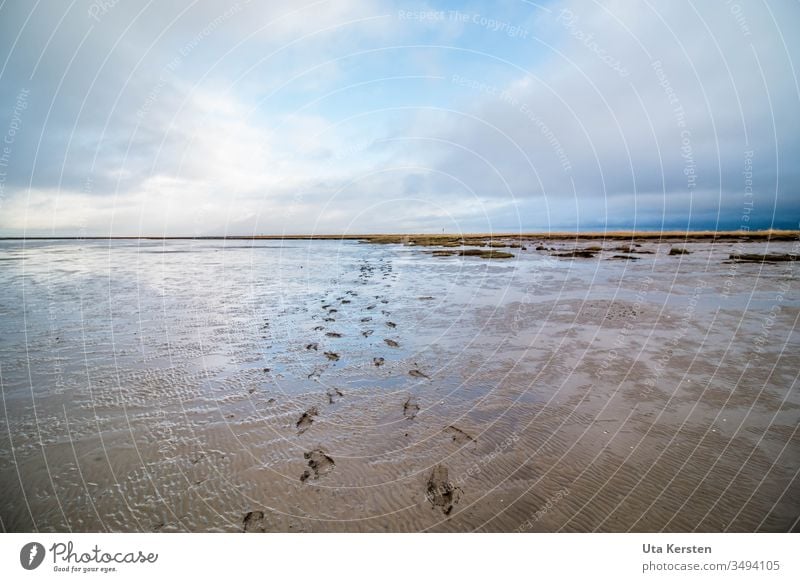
(123, 118)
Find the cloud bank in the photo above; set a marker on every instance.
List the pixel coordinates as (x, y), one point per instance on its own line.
(210, 118)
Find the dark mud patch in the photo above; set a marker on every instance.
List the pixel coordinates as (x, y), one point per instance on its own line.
(678, 251)
(391, 343)
(306, 420)
(577, 254)
(767, 258)
(254, 522)
(333, 334)
(332, 356)
(418, 374)
(485, 254)
(410, 408)
(319, 465)
(624, 258)
(441, 493)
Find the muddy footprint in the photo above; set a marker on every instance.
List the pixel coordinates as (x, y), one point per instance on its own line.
(410, 408)
(458, 435)
(319, 464)
(254, 522)
(440, 491)
(392, 343)
(306, 420)
(333, 356)
(378, 361)
(418, 374)
(333, 395)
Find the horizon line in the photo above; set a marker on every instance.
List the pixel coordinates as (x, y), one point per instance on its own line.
(763, 233)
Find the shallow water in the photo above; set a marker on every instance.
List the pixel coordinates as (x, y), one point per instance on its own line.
(156, 386)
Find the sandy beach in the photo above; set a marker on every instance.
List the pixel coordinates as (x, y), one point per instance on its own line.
(630, 383)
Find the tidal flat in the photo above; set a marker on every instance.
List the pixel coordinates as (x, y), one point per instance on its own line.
(389, 384)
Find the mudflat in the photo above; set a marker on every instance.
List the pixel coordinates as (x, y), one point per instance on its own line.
(403, 383)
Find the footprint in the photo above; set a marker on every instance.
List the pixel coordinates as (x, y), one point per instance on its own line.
(306, 420)
(418, 374)
(333, 334)
(313, 346)
(410, 408)
(319, 464)
(333, 395)
(440, 491)
(378, 361)
(254, 522)
(367, 333)
(333, 356)
(458, 435)
(391, 324)
(392, 343)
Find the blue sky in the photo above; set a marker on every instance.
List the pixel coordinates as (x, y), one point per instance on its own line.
(208, 118)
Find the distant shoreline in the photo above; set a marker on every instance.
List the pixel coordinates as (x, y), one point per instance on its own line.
(422, 238)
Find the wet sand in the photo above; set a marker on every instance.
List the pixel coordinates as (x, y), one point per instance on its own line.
(258, 385)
